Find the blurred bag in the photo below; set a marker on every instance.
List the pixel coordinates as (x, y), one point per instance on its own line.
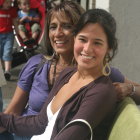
(18, 58)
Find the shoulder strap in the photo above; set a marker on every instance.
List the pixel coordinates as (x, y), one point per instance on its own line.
(42, 62)
(82, 121)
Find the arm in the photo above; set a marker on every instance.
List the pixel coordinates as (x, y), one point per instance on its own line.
(24, 85)
(21, 20)
(18, 102)
(125, 89)
(124, 86)
(34, 16)
(34, 19)
(25, 126)
(22, 125)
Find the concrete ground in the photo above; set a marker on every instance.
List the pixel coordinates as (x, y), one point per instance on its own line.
(8, 90)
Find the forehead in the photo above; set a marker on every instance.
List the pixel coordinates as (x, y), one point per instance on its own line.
(93, 30)
(92, 27)
(61, 17)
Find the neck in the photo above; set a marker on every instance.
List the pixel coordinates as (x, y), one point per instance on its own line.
(89, 73)
(65, 60)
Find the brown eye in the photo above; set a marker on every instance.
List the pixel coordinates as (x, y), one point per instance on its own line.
(52, 27)
(82, 39)
(97, 43)
(67, 26)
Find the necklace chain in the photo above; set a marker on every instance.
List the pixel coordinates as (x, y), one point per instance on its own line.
(56, 69)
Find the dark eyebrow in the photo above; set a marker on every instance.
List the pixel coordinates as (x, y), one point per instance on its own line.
(82, 36)
(97, 39)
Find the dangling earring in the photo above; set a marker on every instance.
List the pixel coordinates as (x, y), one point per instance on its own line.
(106, 69)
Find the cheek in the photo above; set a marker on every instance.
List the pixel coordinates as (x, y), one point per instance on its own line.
(77, 45)
(77, 50)
(100, 52)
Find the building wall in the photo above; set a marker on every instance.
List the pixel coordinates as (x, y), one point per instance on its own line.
(102, 4)
(88, 4)
(127, 14)
(83, 4)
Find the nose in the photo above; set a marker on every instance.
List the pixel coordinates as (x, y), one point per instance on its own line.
(59, 31)
(87, 48)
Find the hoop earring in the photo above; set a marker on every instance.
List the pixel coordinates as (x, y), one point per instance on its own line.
(106, 69)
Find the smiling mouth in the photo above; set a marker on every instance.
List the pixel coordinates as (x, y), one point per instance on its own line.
(87, 56)
(60, 42)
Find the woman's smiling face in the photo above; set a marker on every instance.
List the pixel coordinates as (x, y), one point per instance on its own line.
(60, 34)
(91, 46)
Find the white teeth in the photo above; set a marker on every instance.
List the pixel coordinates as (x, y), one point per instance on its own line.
(59, 42)
(87, 57)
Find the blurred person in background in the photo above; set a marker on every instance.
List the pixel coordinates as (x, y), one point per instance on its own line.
(8, 16)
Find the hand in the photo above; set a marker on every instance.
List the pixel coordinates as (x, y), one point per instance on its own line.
(123, 89)
(30, 18)
(23, 19)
